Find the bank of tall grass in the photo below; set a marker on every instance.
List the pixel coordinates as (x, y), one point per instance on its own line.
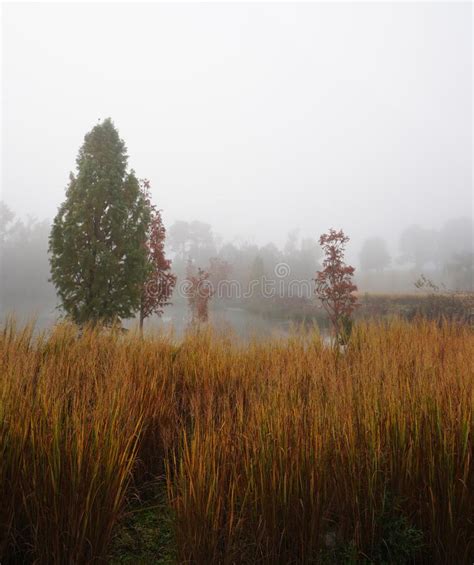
(276, 451)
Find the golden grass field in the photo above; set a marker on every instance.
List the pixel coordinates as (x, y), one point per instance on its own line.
(278, 451)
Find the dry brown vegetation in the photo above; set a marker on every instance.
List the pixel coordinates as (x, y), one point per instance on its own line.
(281, 451)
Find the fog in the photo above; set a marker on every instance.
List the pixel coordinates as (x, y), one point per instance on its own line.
(257, 119)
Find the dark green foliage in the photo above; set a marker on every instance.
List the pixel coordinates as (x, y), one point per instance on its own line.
(398, 543)
(98, 258)
(401, 542)
(145, 535)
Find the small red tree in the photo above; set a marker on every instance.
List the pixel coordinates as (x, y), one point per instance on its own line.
(160, 282)
(334, 286)
(199, 292)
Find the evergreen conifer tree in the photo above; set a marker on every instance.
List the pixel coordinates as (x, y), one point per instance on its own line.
(97, 253)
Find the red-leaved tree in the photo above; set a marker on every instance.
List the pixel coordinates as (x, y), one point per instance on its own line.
(334, 286)
(199, 292)
(159, 285)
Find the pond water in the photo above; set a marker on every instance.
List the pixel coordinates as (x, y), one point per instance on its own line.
(240, 321)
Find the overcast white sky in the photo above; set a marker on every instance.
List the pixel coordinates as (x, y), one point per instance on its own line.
(256, 118)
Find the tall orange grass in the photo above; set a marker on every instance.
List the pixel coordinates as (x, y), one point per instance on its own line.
(276, 451)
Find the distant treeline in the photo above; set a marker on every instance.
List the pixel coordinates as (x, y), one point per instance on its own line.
(262, 274)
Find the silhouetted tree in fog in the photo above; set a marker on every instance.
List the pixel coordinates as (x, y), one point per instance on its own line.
(291, 242)
(6, 221)
(256, 278)
(192, 240)
(374, 254)
(460, 269)
(455, 238)
(219, 274)
(24, 269)
(418, 246)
